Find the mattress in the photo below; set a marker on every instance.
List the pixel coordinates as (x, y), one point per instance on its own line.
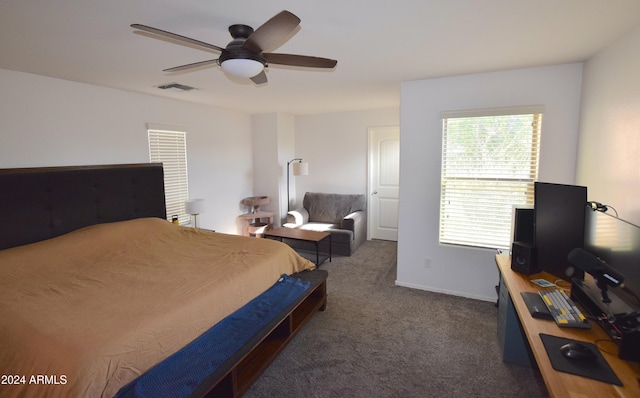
(85, 313)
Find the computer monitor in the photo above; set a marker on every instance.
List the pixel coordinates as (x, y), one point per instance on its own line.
(617, 242)
(559, 227)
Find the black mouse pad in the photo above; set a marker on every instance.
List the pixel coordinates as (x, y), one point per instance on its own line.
(597, 369)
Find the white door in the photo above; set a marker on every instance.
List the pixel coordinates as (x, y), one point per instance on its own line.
(384, 181)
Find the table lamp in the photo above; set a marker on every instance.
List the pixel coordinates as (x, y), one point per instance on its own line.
(194, 207)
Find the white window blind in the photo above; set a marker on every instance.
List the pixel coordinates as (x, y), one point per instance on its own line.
(489, 164)
(170, 148)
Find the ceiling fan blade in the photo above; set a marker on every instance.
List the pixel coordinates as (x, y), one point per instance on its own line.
(260, 78)
(272, 33)
(299, 60)
(191, 66)
(176, 37)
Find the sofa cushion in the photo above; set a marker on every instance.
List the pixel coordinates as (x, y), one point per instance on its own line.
(331, 208)
(337, 234)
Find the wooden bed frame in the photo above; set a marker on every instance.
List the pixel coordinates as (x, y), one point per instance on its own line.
(237, 375)
(42, 203)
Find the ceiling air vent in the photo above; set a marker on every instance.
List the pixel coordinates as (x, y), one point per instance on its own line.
(176, 87)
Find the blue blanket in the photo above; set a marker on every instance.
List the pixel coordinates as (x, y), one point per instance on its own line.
(181, 373)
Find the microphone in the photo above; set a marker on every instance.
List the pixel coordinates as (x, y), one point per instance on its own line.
(595, 266)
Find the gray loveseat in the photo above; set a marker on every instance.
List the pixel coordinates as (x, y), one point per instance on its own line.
(343, 215)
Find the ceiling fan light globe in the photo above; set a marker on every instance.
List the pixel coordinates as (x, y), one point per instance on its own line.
(242, 67)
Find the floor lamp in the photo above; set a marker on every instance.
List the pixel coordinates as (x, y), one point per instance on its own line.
(194, 207)
(299, 169)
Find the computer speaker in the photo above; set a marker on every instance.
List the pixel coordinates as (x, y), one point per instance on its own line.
(523, 258)
(522, 227)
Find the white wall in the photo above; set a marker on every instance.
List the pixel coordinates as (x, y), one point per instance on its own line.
(52, 122)
(458, 270)
(609, 152)
(286, 152)
(336, 146)
(273, 143)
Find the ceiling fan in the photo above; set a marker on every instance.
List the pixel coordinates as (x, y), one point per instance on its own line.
(245, 55)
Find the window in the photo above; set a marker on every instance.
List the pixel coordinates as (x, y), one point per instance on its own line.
(489, 164)
(170, 148)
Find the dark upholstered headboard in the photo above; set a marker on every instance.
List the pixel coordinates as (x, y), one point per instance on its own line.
(41, 203)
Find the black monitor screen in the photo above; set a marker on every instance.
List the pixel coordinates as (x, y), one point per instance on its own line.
(559, 227)
(618, 243)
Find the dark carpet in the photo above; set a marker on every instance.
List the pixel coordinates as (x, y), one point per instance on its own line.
(376, 339)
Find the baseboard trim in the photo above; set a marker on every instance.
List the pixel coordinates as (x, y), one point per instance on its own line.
(444, 291)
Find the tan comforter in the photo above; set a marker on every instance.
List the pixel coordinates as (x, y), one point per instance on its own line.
(85, 313)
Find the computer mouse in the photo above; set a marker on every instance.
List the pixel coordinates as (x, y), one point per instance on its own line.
(578, 352)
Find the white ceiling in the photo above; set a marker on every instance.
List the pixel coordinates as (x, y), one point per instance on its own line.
(378, 44)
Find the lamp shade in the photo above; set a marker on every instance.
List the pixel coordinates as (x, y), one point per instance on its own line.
(242, 67)
(301, 169)
(194, 206)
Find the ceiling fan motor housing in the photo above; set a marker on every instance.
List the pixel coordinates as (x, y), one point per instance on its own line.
(234, 49)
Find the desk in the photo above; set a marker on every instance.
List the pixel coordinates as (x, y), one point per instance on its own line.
(561, 384)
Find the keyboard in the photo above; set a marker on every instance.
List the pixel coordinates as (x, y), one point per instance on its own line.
(563, 310)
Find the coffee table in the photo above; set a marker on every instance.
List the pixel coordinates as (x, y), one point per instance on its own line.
(302, 235)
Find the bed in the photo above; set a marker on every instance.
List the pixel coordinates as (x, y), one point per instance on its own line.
(100, 296)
